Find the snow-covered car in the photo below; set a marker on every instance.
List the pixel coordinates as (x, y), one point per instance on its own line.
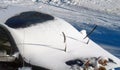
(43, 40)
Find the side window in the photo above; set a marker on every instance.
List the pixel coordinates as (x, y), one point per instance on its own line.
(5, 45)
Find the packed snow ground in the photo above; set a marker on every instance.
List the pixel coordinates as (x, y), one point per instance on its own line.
(109, 6)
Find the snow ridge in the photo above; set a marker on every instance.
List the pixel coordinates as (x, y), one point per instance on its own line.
(109, 6)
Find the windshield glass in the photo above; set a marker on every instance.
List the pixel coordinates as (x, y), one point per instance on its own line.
(27, 19)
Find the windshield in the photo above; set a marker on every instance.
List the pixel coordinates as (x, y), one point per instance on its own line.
(27, 19)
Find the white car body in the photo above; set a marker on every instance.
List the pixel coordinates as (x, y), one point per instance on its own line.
(43, 44)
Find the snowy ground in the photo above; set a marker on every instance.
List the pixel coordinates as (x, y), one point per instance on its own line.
(109, 6)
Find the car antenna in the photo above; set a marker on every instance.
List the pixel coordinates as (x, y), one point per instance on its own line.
(90, 32)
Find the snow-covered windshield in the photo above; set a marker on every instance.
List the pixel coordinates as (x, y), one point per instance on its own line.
(27, 19)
